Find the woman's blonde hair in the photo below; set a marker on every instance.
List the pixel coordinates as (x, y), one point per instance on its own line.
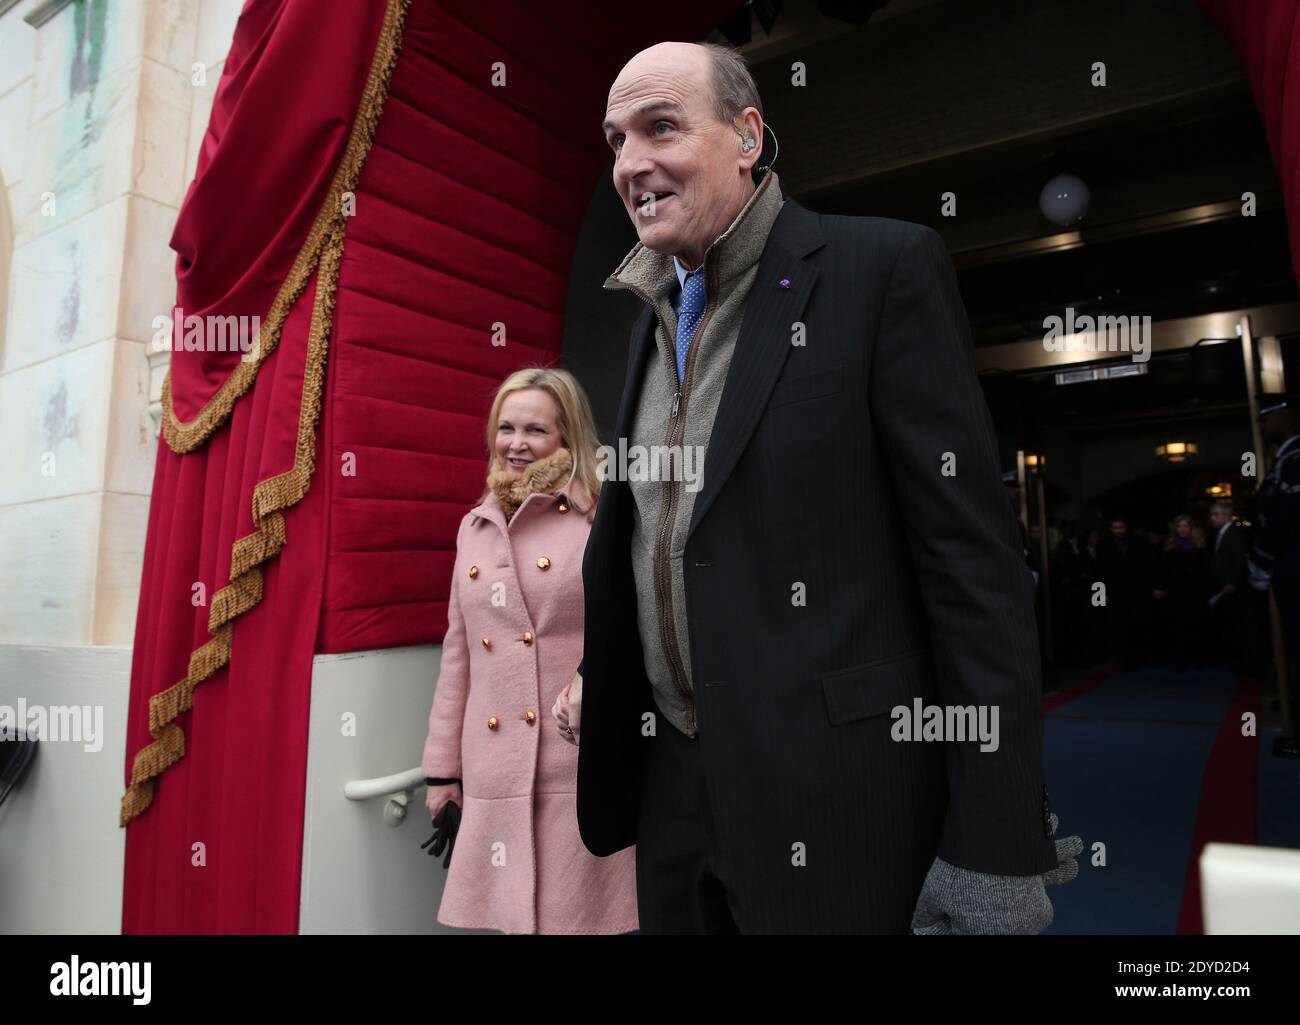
(1196, 534)
(577, 426)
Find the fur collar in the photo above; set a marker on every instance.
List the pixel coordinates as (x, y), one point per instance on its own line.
(542, 476)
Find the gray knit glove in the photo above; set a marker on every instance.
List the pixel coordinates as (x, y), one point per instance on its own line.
(956, 901)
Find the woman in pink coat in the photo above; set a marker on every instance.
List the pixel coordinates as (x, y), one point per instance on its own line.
(514, 642)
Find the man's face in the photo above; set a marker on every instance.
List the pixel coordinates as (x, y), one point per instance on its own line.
(1218, 517)
(668, 143)
(1118, 529)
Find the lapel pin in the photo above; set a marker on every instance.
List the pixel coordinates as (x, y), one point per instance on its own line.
(785, 282)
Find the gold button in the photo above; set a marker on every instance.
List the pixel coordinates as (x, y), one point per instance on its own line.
(487, 643)
(530, 716)
(528, 637)
(492, 723)
(473, 572)
(543, 563)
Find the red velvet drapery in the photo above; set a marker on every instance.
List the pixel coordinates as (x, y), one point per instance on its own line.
(219, 849)
(216, 751)
(1266, 36)
(469, 204)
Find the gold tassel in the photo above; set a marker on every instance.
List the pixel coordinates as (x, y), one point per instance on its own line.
(322, 254)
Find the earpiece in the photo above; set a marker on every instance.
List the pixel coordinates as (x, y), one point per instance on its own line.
(748, 144)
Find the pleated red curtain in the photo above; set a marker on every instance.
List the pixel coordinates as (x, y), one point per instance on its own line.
(233, 558)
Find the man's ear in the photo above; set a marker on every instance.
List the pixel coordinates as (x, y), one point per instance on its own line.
(751, 126)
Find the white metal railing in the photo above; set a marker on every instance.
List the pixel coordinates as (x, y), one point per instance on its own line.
(382, 786)
(396, 788)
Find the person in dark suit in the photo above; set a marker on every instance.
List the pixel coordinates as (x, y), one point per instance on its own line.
(1127, 565)
(1231, 600)
(1181, 584)
(756, 638)
(1074, 569)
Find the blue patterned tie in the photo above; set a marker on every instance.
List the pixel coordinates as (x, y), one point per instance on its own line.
(688, 316)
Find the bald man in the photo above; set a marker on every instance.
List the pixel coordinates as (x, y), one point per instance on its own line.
(767, 642)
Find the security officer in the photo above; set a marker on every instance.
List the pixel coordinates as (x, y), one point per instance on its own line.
(1275, 558)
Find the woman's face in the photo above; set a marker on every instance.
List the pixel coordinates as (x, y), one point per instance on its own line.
(528, 429)
(1183, 529)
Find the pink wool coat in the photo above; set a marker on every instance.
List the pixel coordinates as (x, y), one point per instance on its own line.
(514, 639)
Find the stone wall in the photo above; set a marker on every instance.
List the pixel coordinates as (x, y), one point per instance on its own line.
(102, 108)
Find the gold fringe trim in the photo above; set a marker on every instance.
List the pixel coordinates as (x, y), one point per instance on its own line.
(325, 249)
(186, 437)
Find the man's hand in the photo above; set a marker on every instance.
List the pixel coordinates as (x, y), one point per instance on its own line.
(567, 710)
(956, 901)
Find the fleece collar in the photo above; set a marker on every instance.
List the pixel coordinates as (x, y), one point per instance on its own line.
(653, 275)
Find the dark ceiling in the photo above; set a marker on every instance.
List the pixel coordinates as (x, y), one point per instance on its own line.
(1163, 237)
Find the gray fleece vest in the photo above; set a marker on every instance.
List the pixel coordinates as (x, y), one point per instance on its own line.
(663, 507)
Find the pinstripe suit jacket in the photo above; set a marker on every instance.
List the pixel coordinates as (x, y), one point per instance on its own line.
(863, 465)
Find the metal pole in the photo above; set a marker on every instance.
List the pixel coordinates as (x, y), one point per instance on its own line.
(1024, 497)
(1045, 582)
(1248, 361)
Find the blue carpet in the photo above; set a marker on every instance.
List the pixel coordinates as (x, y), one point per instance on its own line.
(1278, 810)
(1124, 766)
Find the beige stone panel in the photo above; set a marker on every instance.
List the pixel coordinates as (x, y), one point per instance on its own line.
(131, 446)
(50, 69)
(53, 418)
(129, 136)
(158, 170)
(170, 28)
(124, 520)
(160, 30)
(15, 113)
(200, 113)
(83, 153)
(217, 20)
(24, 195)
(67, 286)
(77, 53)
(160, 362)
(148, 268)
(6, 279)
(17, 46)
(48, 565)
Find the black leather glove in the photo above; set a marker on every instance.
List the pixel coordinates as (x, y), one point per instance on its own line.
(445, 826)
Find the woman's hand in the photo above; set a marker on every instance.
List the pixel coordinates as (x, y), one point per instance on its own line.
(436, 797)
(567, 710)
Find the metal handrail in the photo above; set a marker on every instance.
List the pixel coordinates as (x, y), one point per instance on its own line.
(382, 786)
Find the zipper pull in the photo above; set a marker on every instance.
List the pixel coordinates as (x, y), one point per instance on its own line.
(677, 398)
